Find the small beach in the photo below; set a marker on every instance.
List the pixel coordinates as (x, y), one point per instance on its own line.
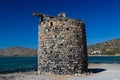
(96, 72)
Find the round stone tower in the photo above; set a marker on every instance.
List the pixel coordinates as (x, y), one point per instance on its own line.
(62, 45)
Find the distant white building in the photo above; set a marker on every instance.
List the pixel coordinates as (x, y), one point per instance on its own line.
(96, 52)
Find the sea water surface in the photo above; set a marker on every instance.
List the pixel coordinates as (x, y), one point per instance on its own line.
(16, 64)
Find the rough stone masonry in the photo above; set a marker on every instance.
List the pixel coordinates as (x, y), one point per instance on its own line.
(62, 45)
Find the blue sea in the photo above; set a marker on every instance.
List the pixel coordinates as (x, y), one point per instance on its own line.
(16, 64)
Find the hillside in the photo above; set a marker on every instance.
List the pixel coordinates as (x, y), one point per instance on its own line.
(111, 47)
(18, 51)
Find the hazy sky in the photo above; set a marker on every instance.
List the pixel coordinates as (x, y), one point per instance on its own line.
(19, 28)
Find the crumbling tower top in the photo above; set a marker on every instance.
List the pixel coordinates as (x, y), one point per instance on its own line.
(62, 15)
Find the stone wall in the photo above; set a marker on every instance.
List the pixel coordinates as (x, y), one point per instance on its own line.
(62, 45)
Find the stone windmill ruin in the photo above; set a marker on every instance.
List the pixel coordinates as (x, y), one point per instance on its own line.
(62, 45)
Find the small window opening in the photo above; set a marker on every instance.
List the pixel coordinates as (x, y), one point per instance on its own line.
(51, 23)
(67, 29)
(61, 44)
(50, 51)
(43, 22)
(55, 36)
(71, 49)
(77, 36)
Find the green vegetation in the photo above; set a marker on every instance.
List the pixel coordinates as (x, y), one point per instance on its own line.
(111, 47)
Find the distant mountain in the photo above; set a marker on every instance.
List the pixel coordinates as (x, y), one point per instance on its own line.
(111, 47)
(18, 51)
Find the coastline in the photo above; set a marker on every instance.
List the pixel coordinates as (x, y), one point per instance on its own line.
(96, 72)
(36, 56)
(104, 55)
